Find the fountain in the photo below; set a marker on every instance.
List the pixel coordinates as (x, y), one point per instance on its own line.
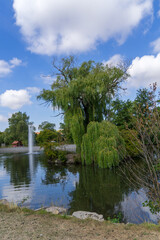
(30, 138)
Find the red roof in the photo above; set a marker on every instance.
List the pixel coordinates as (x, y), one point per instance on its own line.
(15, 142)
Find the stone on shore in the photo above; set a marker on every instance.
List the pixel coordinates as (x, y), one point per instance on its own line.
(85, 215)
(71, 158)
(56, 210)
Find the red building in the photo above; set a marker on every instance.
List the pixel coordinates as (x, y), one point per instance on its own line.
(17, 144)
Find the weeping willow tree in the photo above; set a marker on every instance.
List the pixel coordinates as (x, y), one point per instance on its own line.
(74, 120)
(102, 145)
(83, 93)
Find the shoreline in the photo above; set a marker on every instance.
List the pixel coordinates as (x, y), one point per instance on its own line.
(20, 223)
(19, 149)
(66, 147)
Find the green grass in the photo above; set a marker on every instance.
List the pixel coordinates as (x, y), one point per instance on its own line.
(151, 226)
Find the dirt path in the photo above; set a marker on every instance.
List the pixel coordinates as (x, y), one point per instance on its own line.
(24, 226)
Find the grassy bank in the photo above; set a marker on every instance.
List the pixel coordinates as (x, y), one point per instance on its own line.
(21, 223)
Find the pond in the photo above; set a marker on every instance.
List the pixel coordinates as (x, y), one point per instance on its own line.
(29, 181)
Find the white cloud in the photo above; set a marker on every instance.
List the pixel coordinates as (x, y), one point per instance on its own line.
(47, 79)
(15, 62)
(53, 26)
(3, 118)
(33, 90)
(6, 67)
(17, 196)
(15, 99)
(115, 60)
(144, 71)
(156, 45)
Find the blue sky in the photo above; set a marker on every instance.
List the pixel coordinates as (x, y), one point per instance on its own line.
(32, 33)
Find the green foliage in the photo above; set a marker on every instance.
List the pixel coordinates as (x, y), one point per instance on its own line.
(157, 166)
(67, 135)
(154, 206)
(75, 121)
(49, 138)
(47, 125)
(122, 113)
(116, 219)
(1, 138)
(61, 155)
(83, 93)
(46, 136)
(50, 151)
(18, 128)
(102, 145)
(130, 137)
(144, 100)
(7, 137)
(53, 154)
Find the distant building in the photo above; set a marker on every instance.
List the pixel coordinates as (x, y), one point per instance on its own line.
(17, 144)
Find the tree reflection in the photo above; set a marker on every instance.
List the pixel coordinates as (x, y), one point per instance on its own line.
(99, 190)
(55, 174)
(18, 166)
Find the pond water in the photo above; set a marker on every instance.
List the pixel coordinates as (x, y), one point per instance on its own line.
(29, 181)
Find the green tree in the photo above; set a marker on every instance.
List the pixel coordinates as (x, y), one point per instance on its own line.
(47, 125)
(1, 138)
(102, 145)
(147, 139)
(6, 137)
(131, 137)
(49, 139)
(83, 93)
(122, 113)
(18, 128)
(67, 135)
(46, 136)
(145, 100)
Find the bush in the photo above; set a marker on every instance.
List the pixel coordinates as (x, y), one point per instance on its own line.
(53, 154)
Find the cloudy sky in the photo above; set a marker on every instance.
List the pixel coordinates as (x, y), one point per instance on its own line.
(32, 33)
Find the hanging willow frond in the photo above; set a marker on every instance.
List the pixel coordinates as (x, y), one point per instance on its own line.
(102, 145)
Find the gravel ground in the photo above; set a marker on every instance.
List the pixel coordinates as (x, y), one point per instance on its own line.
(24, 226)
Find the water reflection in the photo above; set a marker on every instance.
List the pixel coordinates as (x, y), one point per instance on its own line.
(19, 170)
(99, 190)
(29, 177)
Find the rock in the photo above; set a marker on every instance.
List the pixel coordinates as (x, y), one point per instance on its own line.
(84, 215)
(56, 210)
(70, 158)
(38, 209)
(73, 158)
